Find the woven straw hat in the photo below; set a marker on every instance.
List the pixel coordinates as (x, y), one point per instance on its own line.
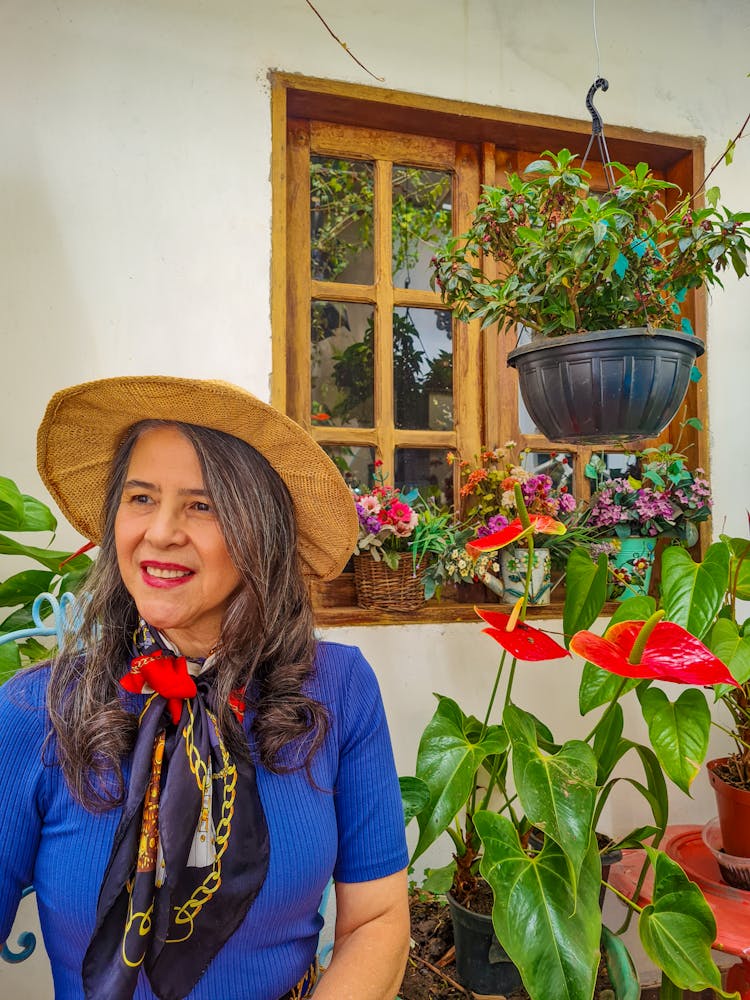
(84, 424)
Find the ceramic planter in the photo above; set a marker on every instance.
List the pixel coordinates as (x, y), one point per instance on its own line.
(733, 806)
(514, 563)
(632, 564)
(605, 386)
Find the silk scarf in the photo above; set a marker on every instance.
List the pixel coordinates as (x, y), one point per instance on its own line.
(191, 851)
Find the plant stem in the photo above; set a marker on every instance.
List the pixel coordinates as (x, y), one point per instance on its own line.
(626, 899)
(668, 989)
(609, 708)
(494, 692)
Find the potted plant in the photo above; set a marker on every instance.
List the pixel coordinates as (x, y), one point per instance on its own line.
(657, 496)
(400, 535)
(705, 597)
(487, 492)
(488, 781)
(32, 594)
(598, 282)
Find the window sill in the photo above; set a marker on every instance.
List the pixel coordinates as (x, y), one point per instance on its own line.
(336, 607)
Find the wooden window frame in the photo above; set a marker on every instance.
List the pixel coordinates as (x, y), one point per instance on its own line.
(482, 144)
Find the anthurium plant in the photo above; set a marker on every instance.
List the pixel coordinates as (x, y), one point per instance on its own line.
(486, 782)
(60, 572)
(572, 260)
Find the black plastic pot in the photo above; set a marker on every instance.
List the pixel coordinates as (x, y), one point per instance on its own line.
(482, 964)
(611, 385)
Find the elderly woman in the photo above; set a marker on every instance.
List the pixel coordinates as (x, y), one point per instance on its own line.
(185, 777)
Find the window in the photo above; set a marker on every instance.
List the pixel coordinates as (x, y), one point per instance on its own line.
(366, 183)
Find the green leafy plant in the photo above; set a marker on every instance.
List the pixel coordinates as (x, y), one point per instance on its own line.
(573, 261)
(20, 513)
(488, 781)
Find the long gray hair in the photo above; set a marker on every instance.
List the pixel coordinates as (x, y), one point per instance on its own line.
(266, 636)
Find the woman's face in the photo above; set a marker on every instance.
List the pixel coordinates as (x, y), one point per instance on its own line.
(170, 549)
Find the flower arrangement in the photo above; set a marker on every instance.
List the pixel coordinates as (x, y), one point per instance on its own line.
(661, 496)
(489, 490)
(387, 521)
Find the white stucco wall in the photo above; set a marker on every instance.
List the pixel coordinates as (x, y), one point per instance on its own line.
(135, 212)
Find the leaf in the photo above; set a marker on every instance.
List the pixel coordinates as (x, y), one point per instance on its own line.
(731, 648)
(448, 759)
(549, 931)
(585, 591)
(47, 557)
(11, 505)
(439, 880)
(414, 796)
(37, 516)
(692, 593)
(23, 587)
(10, 661)
(712, 196)
(557, 791)
(678, 731)
(678, 928)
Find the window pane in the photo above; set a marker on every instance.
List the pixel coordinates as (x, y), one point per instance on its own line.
(341, 368)
(357, 465)
(558, 466)
(421, 219)
(423, 369)
(426, 470)
(341, 199)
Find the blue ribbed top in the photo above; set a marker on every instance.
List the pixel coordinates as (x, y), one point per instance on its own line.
(350, 827)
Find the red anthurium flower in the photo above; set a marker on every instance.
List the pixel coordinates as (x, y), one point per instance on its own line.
(540, 524)
(670, 654)
(520, 640)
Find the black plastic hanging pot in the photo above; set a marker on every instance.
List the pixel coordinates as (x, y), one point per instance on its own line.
(611, 385)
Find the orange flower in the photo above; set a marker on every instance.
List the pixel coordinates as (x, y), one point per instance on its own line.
(476, 477)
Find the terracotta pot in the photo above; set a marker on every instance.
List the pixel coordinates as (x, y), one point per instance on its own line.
(734, 812)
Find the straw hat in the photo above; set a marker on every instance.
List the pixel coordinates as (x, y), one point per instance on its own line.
(84, 424)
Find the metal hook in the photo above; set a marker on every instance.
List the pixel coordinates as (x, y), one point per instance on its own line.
(600, 83)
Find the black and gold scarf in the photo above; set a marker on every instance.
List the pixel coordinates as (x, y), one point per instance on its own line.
(191, 850)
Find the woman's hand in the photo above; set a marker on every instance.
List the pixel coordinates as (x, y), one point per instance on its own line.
(371, 942)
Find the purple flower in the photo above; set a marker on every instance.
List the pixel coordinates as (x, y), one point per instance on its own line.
(496, 523)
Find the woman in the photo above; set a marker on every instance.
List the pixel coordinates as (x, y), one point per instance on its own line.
(183, 780)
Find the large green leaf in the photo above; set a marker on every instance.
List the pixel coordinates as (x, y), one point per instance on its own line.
(549, 931)
(11, 505)
(692, 593)
(731, 648)
(449, 756)
(678, 928)
(37, 516)
(739, 565)
(678, 731)
(24, 587)
(414, 796)
(47, 557)
(585, 591)
(10, 660)
(608, 745)
(557, 791)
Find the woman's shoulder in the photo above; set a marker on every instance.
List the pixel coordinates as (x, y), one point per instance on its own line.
(27, 689)
(339, 667)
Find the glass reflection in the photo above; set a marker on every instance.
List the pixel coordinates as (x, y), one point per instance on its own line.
(341, 369)
(422, 369)
(558, 466)
(421, 219)
(426, 470)
(341, 219)
(357, 465)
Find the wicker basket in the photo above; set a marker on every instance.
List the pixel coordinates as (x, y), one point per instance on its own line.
(387, 589)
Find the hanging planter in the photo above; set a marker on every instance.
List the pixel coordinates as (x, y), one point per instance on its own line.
(600, 282)
(607, 385)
